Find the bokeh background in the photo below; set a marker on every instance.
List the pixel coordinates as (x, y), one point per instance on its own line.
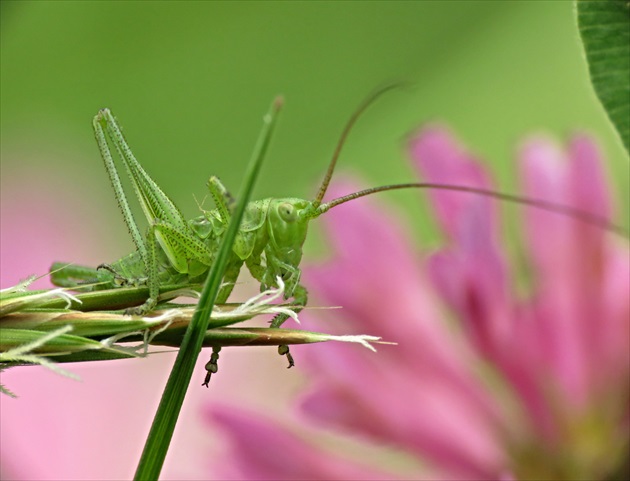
(189, 82)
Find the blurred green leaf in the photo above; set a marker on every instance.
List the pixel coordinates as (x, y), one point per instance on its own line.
(163, 426)
(605, 30)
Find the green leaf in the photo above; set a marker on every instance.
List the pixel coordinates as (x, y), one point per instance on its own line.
(165, 419)
(605, 29)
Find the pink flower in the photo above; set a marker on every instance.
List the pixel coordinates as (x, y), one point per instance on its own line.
(489, 380)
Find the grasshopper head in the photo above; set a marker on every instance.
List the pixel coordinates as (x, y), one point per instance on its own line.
(287, 227)
(287, 223)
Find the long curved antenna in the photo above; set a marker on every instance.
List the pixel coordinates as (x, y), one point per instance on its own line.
(584, 216)
(369, 100)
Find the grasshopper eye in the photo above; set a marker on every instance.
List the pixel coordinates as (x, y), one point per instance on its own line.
(287, 212)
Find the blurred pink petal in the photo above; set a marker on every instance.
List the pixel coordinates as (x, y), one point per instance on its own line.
(57, 428)
(387, 294)
(473, 277)
(574, 263)
(365, 240)
(441, 160)
(360, 393)
(283, 455)
(441, 412)
(519, 387)
(33, 208)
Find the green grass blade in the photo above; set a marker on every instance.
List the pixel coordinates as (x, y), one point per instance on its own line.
(605, 29)
(170, 405)
(115, 299)
(11, 339)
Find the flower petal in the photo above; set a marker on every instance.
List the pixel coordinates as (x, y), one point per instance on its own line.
(375, 276)
(263, 449)
(473, 273)
(373, 256)
(569, 257)
(440, 159)
(425, 414)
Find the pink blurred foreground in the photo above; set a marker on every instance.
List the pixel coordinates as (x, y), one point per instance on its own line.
(490, 380)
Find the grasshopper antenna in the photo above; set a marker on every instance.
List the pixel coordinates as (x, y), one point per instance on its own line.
(344, 135)
(318, 208)
(582, 215)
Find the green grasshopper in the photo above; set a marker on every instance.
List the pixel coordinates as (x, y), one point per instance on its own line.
(175, 251)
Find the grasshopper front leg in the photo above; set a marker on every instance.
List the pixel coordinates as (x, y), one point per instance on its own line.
(212, 366)
(291, 276)
(300, 298)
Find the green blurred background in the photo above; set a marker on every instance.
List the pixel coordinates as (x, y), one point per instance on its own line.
(189, 81)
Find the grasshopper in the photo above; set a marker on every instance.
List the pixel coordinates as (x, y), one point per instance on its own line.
(176, 251)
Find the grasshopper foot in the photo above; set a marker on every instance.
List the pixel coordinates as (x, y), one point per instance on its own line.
(142, 309)
(283, 350)
(212, 365)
